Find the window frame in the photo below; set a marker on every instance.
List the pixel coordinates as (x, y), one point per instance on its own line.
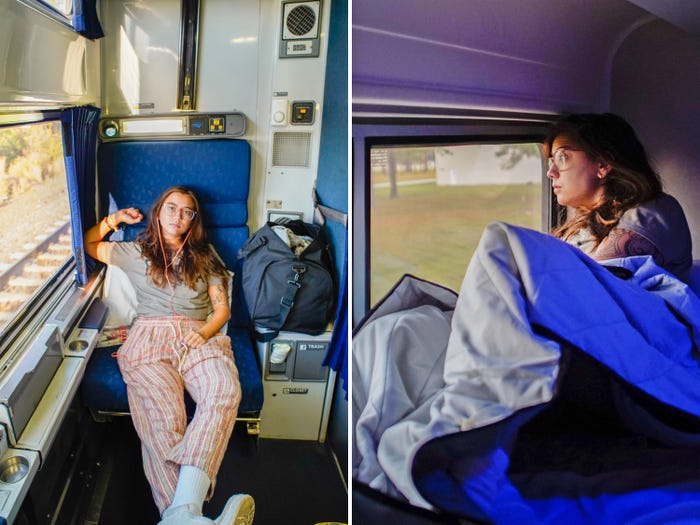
(46, 9)
(32, 315)
(81, 19)
(416, 130)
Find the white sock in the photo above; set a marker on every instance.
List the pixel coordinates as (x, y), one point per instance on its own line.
(192, 487)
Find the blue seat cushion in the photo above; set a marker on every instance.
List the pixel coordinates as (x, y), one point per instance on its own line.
(248, 370)
(218, 170)
(103, 388)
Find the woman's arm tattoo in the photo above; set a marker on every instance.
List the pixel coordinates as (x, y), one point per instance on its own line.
(219, 296)
(626, 243)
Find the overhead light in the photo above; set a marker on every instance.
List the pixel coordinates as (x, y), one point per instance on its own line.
(152, 126)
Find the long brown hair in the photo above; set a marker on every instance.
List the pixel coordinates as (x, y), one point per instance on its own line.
(607, 138)
(196, 259)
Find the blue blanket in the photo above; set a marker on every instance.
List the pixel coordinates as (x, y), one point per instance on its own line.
(466, 406)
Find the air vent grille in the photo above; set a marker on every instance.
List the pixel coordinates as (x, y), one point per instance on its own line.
(291, 149)
(301, 20)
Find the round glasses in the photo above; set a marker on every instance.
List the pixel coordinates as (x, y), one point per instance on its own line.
(560, 159)
(185, 213)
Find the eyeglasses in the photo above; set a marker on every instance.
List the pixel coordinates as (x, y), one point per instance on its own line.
(560, 159)
(185, 213)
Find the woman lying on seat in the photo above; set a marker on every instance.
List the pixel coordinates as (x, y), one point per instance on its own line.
(599, 167)
(175, 344)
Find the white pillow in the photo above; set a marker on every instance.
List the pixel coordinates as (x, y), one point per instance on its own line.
(119, 296)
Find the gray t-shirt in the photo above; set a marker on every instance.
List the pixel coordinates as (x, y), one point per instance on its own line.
(660, 221)
(154, 300)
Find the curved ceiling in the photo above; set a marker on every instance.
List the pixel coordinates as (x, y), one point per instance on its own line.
(485, 54)
(684, 14)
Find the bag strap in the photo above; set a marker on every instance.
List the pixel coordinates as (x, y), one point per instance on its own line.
(321, 212)
(290, 292)
(286, 302)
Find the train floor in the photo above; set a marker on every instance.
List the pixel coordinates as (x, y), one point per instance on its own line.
(293, 482)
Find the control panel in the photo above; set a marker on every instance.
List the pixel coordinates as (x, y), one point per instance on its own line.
(303, 112)
(208, 125)
(180, 125)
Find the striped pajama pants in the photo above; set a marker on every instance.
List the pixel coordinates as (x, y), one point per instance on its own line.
(157, 370)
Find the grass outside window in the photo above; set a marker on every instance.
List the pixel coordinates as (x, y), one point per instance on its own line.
(428, 222)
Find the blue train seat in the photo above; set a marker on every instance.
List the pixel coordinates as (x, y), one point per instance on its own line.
(218, 170)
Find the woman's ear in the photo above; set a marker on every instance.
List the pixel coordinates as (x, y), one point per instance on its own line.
(603, 170)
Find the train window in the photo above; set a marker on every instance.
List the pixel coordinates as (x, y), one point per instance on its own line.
(429, 206)
(64, 7)
(34, 213)
(59, 10)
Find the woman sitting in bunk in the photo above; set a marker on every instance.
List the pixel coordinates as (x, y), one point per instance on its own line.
(175, 344)
(600, 169)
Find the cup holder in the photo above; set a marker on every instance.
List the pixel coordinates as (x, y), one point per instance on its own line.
(13, 469)
(77, 345)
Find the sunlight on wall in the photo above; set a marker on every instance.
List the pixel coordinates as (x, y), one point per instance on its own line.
(75, 69)
(128, 70)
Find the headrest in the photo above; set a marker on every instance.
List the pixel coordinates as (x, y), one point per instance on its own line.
(218, 170)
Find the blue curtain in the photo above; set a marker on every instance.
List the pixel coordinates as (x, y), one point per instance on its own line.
(332, 182)
(85, 19)
(79, 146)
(337, 356)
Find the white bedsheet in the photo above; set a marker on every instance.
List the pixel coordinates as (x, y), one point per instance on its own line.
(417, 377)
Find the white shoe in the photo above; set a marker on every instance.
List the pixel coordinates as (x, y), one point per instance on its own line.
(183, 515)
(239, 510)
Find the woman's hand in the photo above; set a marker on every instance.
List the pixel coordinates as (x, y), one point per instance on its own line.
(222, 313)
(194, 339)
(94, 245)
(127, 215)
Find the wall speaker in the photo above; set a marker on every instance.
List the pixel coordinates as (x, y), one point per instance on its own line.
(301, 22)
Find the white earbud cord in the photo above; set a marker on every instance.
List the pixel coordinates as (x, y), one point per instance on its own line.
(177, 330)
